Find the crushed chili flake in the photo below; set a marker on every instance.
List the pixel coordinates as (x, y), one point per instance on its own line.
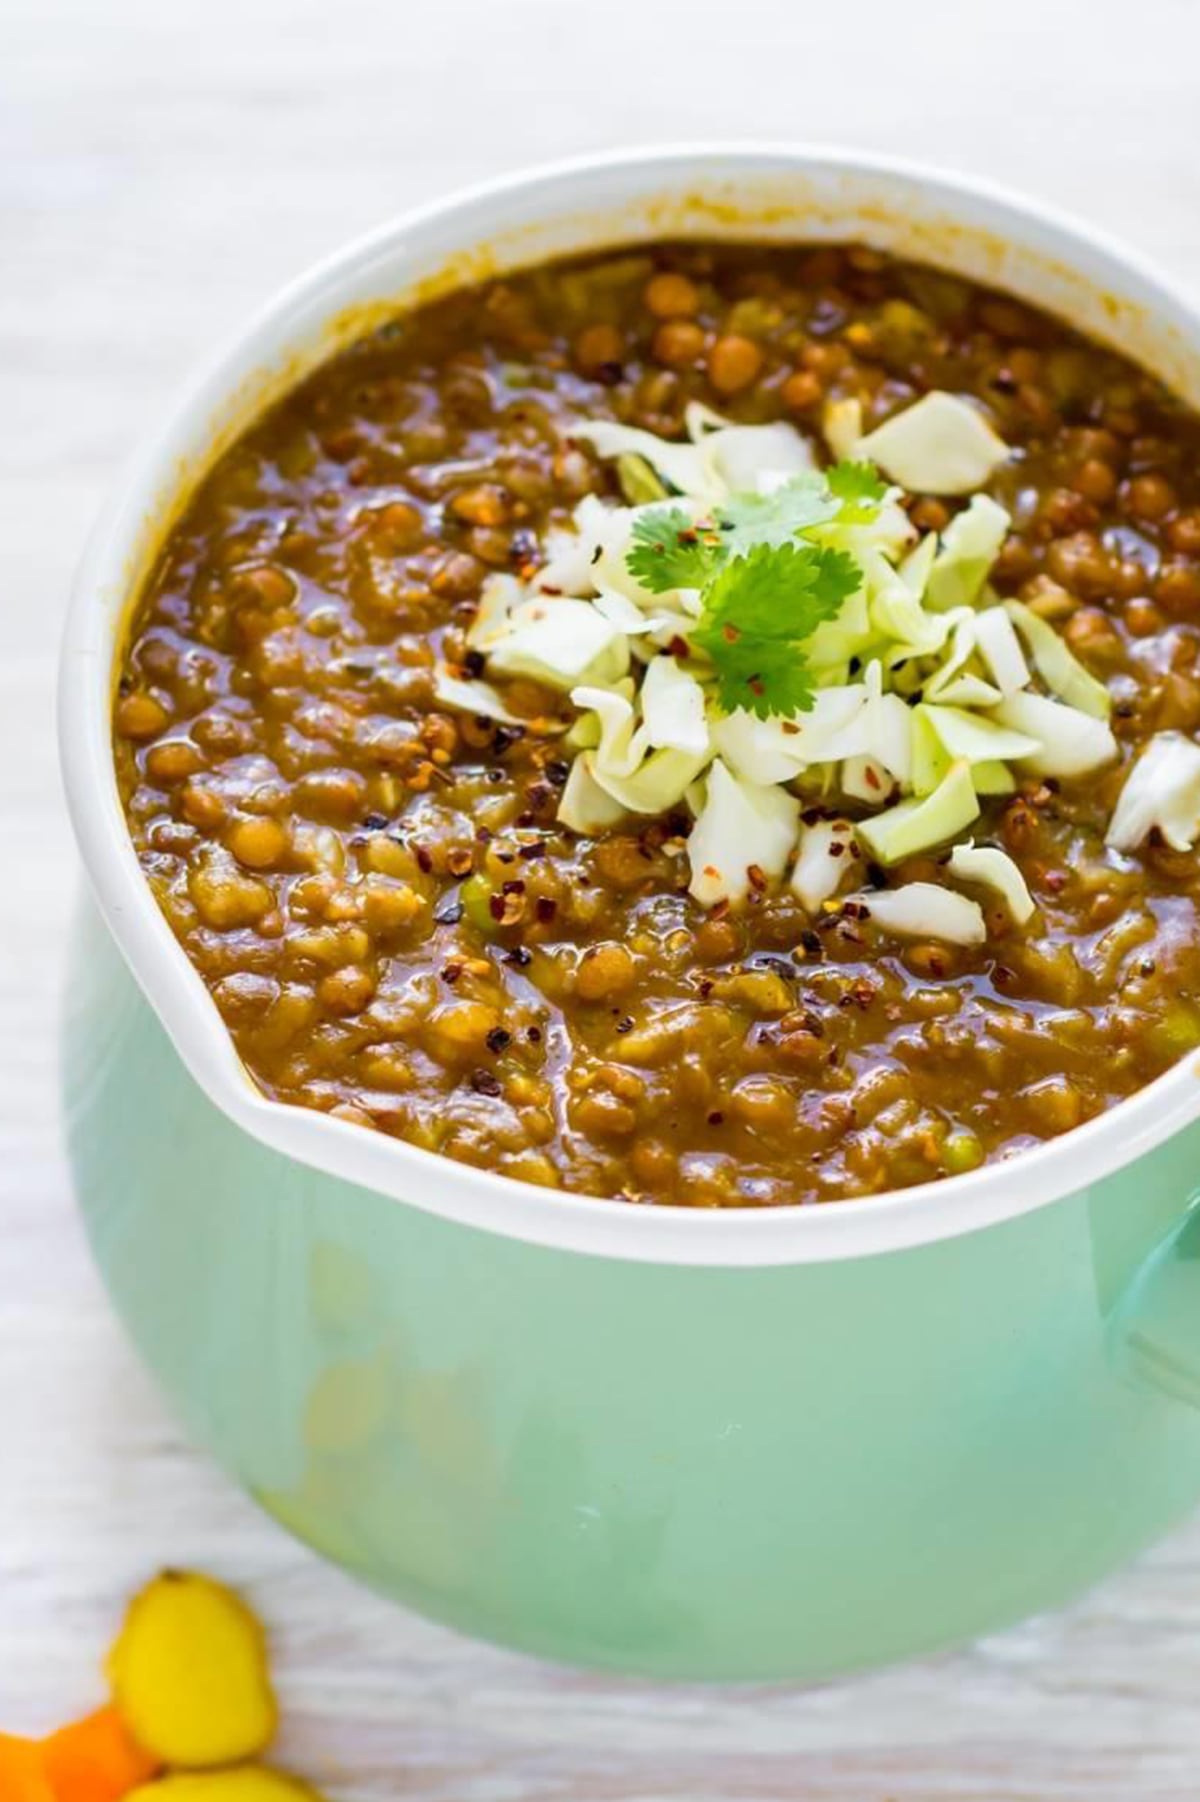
(485, 1083)
(498, 1039)
(545, 909)
(424, 858)
(519, 958)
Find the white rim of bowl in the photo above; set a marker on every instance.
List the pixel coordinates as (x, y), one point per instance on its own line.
(737, 1238)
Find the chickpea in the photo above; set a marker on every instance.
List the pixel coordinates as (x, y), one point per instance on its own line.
(203, 807)
(1149, 497)
(734, 363)
(1096, 481)
(1142, 617)
(604, 970)
(346, 991)
(173, 761)
(140, 716)
(458, 1030)
(400, 523)
(257, 842)
(1177, 588)
(678, 343)
(598, 349)
(484, 505)
(265, 585)
(223, 897)
(801, 391)
(335, 796)
(1183, 532)
(761, 1102)
(671, 296)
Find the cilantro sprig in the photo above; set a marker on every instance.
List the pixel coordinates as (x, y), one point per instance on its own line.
(757, 613)
(764, 587)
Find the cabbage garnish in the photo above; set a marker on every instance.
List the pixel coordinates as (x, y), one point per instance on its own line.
(923, 910)
(478, 698)
(939, 445)
(1055, 663)
(750, 632)
(1070, 743)
(969, 546)
(743, 837)
(673, 704)
(1000, 650)
(1161, 792)
(919, 825)
(992, 868)
(583, 806)
(823, 862)
(560, 643)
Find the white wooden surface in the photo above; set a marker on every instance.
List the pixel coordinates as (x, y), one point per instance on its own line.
(162, 168)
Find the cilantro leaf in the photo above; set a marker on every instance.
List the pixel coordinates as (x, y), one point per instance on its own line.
(855, 482)
(672, 550)
(758, 611)
(747, 520)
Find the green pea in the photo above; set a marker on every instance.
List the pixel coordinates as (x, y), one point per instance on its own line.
(961, 1152)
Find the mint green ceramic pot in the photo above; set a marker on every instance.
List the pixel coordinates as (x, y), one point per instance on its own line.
(765, 1445)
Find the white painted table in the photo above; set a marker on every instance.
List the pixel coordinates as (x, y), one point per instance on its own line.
(162, 168)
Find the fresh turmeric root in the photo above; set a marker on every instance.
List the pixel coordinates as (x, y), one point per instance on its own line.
(189, 1674)
(96, 1759)
(249, 1783)
(22, 1771)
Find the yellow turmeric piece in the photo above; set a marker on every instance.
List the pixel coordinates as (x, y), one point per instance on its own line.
(189, 1676)
(249, 1783)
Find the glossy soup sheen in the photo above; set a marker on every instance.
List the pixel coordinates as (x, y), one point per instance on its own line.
(375, 890)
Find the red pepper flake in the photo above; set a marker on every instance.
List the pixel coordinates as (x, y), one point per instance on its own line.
(1056, 880)
(451, 973)
(872, 780)
(498, 1040)
(757, 876)
(625, 1024)
(677, 646)
(518, 957)
(545, 909)
(534, 1034)
(716, 1117)
(424, 859)
(485, 1083)
(514, 886)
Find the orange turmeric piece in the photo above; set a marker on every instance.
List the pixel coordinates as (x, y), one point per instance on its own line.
(247, 1783)
(22, 1771)
(95, 1759)
(189, 1677)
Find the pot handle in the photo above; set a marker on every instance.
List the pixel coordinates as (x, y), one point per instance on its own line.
(1155, 1325)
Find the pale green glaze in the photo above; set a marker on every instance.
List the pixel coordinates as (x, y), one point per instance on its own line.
(784, 1472)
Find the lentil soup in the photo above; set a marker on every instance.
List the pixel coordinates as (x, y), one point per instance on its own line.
(376, 880)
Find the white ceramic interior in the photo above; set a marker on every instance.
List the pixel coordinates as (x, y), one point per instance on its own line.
(771, 192)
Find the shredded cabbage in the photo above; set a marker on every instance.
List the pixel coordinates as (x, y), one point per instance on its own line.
(922, 910)
(1070, 743)
(1058, 667)
(1161, 790)
(939, 445)
(994, 869)
(823, 862)
(918, 825)
(479, 698)
(583, 806)
(742, 826)
(970, 545)
(560, 643)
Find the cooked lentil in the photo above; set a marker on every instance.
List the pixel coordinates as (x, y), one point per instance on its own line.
(377, 894)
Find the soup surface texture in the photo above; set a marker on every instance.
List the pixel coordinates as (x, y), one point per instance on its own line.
(375, 885)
